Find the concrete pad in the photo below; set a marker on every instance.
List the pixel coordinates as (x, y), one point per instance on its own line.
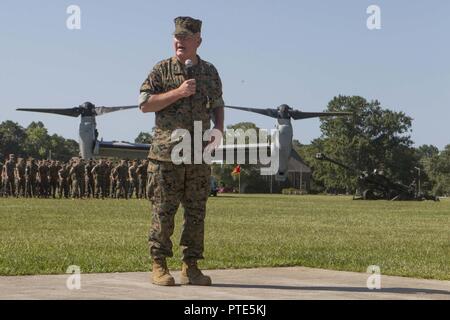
(259, 284)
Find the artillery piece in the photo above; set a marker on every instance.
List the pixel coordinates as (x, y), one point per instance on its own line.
(376, 186)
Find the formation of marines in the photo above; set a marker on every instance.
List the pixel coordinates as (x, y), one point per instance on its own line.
(76, 178)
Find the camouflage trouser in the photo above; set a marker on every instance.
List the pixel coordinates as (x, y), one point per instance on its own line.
(121, 189)
(53, 187)
(108, 187)
(30, 187)
(133, 188)
(168, 186)
(143, 187)
(21, 191)
(77, 189)
(100, 187)
(90, 187)
(10, 187)
(63, 188)
(44, 190)
(113, 185)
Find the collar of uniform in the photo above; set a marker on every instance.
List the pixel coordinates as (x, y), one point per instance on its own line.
(178, 67)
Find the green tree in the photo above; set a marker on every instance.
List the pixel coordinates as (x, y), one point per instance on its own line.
(437, 168)
(62, 149)
(37, 142)
(34, 141)
(308, 153)
(144, 137)
(374, 138)
(425, 155)
(12, 137)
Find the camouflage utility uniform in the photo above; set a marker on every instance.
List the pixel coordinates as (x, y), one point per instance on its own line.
(170, 184)
(44, 186)
(76, 174)
(1, 179)
(20, 174)
(53, 170)
(63, 174)
(133, 178)
(90, 184)
(31, 171)
(100, 173)
(9, 177)
(142, 179)
(121, 174)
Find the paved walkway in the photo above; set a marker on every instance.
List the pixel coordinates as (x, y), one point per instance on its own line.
(262, 283)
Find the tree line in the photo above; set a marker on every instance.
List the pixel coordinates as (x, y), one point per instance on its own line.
(374, 138)
(34, 141)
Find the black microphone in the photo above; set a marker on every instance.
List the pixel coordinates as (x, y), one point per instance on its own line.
(188, 65)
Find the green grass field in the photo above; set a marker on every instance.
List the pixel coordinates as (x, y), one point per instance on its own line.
(403, 238)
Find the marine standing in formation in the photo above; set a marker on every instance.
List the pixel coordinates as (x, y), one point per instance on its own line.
(180, 97)
(9, 175)
(27, 179)
(100, 175)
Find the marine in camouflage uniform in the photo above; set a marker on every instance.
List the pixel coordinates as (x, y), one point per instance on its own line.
(82, 177)
(121, 173)
(110, 180)
(44, 185)
(31, 171)
(9, 176)
(1, 179)
(20, 176)
(53, 178)
(142, 179)
(69, 177)
(63, 174)
(90, 185)
(100, 174)
(188, 184)
(133, 179)
(76, 174)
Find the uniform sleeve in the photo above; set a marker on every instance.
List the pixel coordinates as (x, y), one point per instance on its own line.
(152, 85)
(217, 94)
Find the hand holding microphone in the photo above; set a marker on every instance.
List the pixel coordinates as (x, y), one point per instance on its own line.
(188, 87)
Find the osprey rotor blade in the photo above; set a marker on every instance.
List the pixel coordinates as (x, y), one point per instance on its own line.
(297, 115)
(70, 112)
(103, 110)
(266, 112)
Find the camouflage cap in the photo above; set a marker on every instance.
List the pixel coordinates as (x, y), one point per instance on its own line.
(187, 26)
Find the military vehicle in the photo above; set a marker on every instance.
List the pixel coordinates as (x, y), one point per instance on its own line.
(284, 133)
(376, 186)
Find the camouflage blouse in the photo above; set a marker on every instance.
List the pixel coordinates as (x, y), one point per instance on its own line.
(167, 75)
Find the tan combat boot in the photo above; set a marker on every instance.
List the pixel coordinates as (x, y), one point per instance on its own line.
(191, 274)
(160, 273)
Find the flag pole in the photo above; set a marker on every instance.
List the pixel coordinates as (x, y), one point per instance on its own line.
(239, 183)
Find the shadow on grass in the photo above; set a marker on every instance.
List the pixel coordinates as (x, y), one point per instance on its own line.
(336, 289)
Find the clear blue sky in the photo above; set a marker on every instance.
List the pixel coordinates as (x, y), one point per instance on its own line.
(302, 53)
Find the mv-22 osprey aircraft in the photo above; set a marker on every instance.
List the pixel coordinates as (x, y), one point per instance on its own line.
(91, 147)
